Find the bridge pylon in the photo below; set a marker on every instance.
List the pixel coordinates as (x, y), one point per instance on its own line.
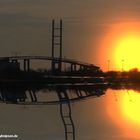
(56, 46)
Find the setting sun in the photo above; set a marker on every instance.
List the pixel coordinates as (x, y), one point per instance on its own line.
(127, 50)
(121, 44)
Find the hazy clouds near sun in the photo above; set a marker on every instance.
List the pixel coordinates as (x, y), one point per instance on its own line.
(25, 25)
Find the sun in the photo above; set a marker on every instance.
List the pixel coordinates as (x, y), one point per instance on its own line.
(127, 53)
(120, 44)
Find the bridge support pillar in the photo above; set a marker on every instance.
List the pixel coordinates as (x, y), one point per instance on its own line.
(73, 67)
(16, 63)
(26, 64)
(83, 68)
(56, 66)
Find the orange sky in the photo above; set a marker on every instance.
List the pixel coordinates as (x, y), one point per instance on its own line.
(121, 44)
(94, 31)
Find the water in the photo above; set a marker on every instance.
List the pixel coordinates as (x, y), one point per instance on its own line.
(103, 118)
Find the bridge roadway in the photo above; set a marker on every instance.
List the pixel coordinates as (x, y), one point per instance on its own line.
(65, 60)
(62, 80)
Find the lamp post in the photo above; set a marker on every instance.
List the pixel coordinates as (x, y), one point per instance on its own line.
(122, 65)
(108, 65)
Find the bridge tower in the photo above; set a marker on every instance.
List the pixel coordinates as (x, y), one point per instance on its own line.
(56, 46)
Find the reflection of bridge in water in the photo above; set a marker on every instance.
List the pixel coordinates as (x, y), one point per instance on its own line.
(31, 94)
(50, 94)
(63, 81)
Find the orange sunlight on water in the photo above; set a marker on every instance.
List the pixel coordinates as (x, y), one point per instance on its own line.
(120, 43)
(123, 109)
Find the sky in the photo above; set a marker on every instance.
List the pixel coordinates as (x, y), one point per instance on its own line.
(89, 27)
(25, 27)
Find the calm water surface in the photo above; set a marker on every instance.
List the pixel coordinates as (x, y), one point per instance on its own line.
(112, 116)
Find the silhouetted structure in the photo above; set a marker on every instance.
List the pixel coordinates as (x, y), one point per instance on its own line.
(19, 83)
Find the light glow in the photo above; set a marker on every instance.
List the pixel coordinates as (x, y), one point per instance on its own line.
(120, 42)
(128, 50)
(123, 109)
(130, 107)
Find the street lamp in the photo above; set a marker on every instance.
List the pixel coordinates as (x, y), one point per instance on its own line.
(108, 65)
(122, 65)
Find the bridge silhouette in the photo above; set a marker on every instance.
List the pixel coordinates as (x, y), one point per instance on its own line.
(74, 64)
(71, 80)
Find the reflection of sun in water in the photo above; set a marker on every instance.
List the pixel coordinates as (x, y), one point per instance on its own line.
(130, 107)
(125, 111)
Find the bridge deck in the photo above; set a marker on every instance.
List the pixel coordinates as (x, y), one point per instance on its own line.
(66, 60)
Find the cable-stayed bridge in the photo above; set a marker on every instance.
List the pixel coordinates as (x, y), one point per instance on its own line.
(67, 80)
